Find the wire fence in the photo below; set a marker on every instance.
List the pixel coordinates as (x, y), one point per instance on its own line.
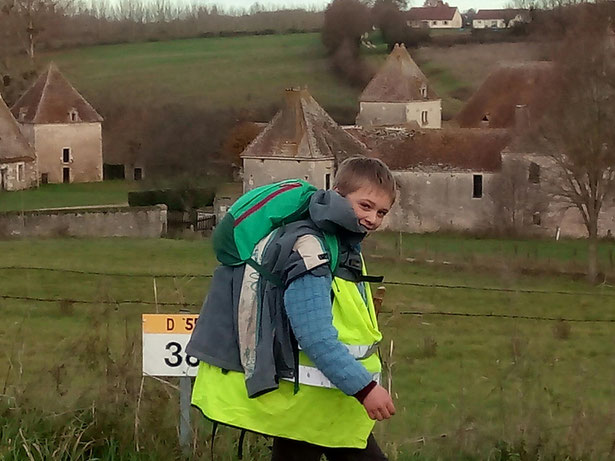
(118, 302)
(417, 313)
(601, 293)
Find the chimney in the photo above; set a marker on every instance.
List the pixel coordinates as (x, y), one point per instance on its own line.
(292, 99)
(522, 117)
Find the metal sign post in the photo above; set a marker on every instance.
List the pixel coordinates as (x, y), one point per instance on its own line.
(165, 337)
(185, 390)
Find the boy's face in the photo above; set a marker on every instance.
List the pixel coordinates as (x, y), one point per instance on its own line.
(370, 204)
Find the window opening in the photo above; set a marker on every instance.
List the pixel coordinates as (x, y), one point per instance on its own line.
(66, 155)
(424, 117)
(534, 173)
(138, 174)
(477, 190)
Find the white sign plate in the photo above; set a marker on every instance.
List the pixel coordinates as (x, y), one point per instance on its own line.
(165, 337)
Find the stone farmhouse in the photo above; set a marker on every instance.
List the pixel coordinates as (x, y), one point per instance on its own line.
(63, 128)
(18, 169)
(438, 16)
(398, 94)
(524, 199)
(499, 19)
(475, 174)
(444, 177)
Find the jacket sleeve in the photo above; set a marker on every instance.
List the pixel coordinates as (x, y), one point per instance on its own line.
(308, 305)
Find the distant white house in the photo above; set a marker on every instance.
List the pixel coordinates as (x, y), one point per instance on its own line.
(439, 16)
(499, 19)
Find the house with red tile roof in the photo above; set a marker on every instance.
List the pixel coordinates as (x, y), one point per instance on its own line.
(399, 94)
(63, 128)
(500, 19)
(18, 168)
(438, 16)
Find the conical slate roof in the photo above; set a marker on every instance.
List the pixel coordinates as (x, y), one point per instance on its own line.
(399, 80)
(52, 99)
(13, 145)
(303, 130)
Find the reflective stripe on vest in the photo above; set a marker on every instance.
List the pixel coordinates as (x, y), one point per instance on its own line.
(360, 351)
(312, 376)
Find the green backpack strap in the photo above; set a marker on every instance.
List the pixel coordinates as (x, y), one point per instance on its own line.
(333, 247)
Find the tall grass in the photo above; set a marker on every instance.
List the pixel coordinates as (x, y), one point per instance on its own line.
(465, 388)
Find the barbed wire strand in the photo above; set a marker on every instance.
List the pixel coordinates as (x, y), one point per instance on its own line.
(391, 283)
(503, 316)
(111, 274)
(87, 301)
(418, 313)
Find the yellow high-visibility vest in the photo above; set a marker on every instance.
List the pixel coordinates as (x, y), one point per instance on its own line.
(319, 413)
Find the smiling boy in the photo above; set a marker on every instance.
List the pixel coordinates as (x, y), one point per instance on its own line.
(331, 406)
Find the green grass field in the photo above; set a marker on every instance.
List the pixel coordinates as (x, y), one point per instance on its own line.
(67, 195)
(238, 72)
(466, 388)
(248, 72)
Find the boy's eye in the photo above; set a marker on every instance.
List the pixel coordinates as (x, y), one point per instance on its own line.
(382, 214)
(365, 206)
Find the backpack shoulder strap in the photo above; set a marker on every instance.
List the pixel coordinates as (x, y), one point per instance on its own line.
(333, 247)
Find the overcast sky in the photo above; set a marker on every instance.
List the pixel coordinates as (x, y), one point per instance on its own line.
(320, 4)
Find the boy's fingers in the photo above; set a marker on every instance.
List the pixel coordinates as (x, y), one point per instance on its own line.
(391, 408)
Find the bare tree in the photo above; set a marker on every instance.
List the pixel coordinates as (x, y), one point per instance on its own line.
(577, 129)
(30, 18)
(517, 201)
(345, 23)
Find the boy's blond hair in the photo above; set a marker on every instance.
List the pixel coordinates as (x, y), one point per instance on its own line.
(355, 172)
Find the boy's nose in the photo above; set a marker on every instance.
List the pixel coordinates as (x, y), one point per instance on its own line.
(370, 219)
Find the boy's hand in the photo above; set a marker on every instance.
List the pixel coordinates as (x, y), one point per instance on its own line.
(379, 404)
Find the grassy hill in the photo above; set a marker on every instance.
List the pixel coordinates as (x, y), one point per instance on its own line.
(238, 72)
(250, 72)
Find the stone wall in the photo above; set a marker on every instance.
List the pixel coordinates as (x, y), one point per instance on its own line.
(18, 175)
(399, 113)
(434, 201)
(257, 172)
(147, 222)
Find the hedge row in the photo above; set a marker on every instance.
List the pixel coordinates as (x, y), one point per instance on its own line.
(174, 199)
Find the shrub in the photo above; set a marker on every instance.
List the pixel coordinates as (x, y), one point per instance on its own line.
(174, 199)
